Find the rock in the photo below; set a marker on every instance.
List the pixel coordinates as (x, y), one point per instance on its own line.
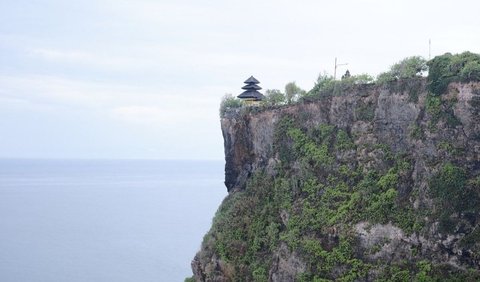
(383, 122)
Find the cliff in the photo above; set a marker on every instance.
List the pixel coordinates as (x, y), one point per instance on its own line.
(380, 182)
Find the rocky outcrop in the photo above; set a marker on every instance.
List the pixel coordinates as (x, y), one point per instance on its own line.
(374, 114)
(434, 134)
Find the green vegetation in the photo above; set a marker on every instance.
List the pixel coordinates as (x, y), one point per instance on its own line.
(320, 190)
(441, 109)
(293, 92)
(449, 68)
(274, 97)
(318, 196)
(323, 86)
(327, 86)
(454, 194)
(406, 75)
(433, 106)
(410, 67)
(229, 102)
(416, 132)
(365, 111)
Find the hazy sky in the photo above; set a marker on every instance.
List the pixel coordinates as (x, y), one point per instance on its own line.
(143, 78)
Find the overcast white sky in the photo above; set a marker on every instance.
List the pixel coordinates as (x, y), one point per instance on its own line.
(143, 78)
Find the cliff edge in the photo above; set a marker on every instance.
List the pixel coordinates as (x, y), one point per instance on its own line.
(379, 183)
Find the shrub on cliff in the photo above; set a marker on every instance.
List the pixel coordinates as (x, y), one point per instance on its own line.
(323, 86)
(274, 97)
(327, 86)
(293, 92)
(229, 102)
(447, 68)
(410, 67)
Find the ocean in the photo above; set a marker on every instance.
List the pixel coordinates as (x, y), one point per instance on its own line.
(104, 220)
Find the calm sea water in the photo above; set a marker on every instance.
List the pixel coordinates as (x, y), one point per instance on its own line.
(79, 220)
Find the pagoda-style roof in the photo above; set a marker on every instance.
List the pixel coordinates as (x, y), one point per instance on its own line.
(252, 80)
(251, 88)
(251, 94)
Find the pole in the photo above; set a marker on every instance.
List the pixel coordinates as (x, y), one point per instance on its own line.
(335, 70)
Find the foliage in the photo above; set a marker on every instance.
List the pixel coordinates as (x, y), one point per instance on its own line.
(306, 148)
(449, 68)
(229, 102)
(274, 97)
(364, 111)
(363, 78)
(410, 67)
(316, 193)
(243, 240)
(416, 132)
(323, 86)
(433, 106)
(293, 92)
(343, 141)
(449, 186)
(439, 108)
(327, 86)
(323, 262)
(454, 193)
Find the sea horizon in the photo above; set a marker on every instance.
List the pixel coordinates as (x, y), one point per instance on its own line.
(104, 219)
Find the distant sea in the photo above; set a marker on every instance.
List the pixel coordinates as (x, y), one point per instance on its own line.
(99, 220)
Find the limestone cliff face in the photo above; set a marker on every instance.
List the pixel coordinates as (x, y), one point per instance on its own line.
(413, 147)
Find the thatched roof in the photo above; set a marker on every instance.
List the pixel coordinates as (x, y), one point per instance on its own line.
(251, 87)
(251, 94)
(252, 80)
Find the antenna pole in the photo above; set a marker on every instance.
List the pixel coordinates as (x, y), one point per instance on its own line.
(336, 66)
(335, 70)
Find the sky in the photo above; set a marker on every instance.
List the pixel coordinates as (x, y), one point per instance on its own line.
(135, 79)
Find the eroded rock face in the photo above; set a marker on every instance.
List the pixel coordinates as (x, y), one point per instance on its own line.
(286, 265)
(398, 119)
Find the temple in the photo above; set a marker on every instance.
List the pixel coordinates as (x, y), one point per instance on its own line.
(251, 96)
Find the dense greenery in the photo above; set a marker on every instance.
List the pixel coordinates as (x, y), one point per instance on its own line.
(327, 86)
(319, 195)
(229, 102)
(319, 190)
(402, 76)
(293, 92)
(454, 194)
(410, 67)
(274, 97)
(449, 68)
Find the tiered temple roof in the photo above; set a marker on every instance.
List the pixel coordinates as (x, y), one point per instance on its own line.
(251, 90)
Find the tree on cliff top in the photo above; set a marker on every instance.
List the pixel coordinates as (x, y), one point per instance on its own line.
(229, 102)
(293, 92)
(274, 97)
(409, 67)
(464, 67)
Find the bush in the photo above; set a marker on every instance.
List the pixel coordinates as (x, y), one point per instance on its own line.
(449, 68)
(323, 86)
(449, 182)
(229, 102)
(410, 67)
(471, 71)
(274, 97)
(293, 92)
